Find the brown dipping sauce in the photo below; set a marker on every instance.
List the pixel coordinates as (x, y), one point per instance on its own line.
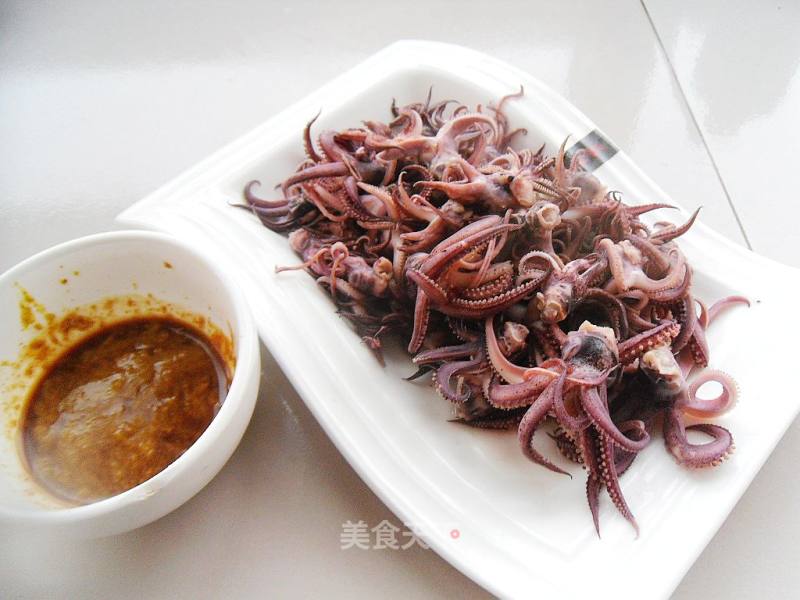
(120, 406)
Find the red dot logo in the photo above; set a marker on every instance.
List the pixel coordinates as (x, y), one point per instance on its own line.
(455, 534)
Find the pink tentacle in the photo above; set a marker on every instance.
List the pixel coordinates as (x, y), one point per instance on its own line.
(720, 305)
(533, 418)
(690, 403)
(598, 412)
(695, 455)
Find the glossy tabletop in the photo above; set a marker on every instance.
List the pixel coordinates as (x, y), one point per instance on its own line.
(101, 103)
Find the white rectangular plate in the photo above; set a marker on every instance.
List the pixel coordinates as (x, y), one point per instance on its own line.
(522, 530)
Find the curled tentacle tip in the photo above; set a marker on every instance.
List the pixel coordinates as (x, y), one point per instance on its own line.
(596, 522)
(723, 402)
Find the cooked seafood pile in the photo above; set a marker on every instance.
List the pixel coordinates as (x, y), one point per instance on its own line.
(530, 290)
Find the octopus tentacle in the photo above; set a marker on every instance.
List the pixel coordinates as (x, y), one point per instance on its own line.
(565, 442)
(634, 347)
(355, 208)
(488, 289)
(721, 305)
(712, 407)
(610, 477)
(635, 211)
(477, 309)
(422, 317)
(441, 258)
(672, 294)
(587, 445)
(320, 171)
(598, 412)
(670, 233)
(515, 395)
(535, 415)
(254, 200)
(698, 346)
(502, 420)
(695, 455)
(429, 287)
(534, 256)
(447, 353)
(326, 203)
(657, 262)
(513, 374)
(565, 418)
(308, 145)
(684, 311)
(449, 370)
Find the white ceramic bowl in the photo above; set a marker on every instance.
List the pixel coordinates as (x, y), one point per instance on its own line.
(82, 272)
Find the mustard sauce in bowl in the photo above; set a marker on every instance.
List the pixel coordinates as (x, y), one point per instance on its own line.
(120, 406)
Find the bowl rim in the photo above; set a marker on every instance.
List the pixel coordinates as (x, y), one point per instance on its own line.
(245, 350)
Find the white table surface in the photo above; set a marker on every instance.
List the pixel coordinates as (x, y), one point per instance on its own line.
(101, 103)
